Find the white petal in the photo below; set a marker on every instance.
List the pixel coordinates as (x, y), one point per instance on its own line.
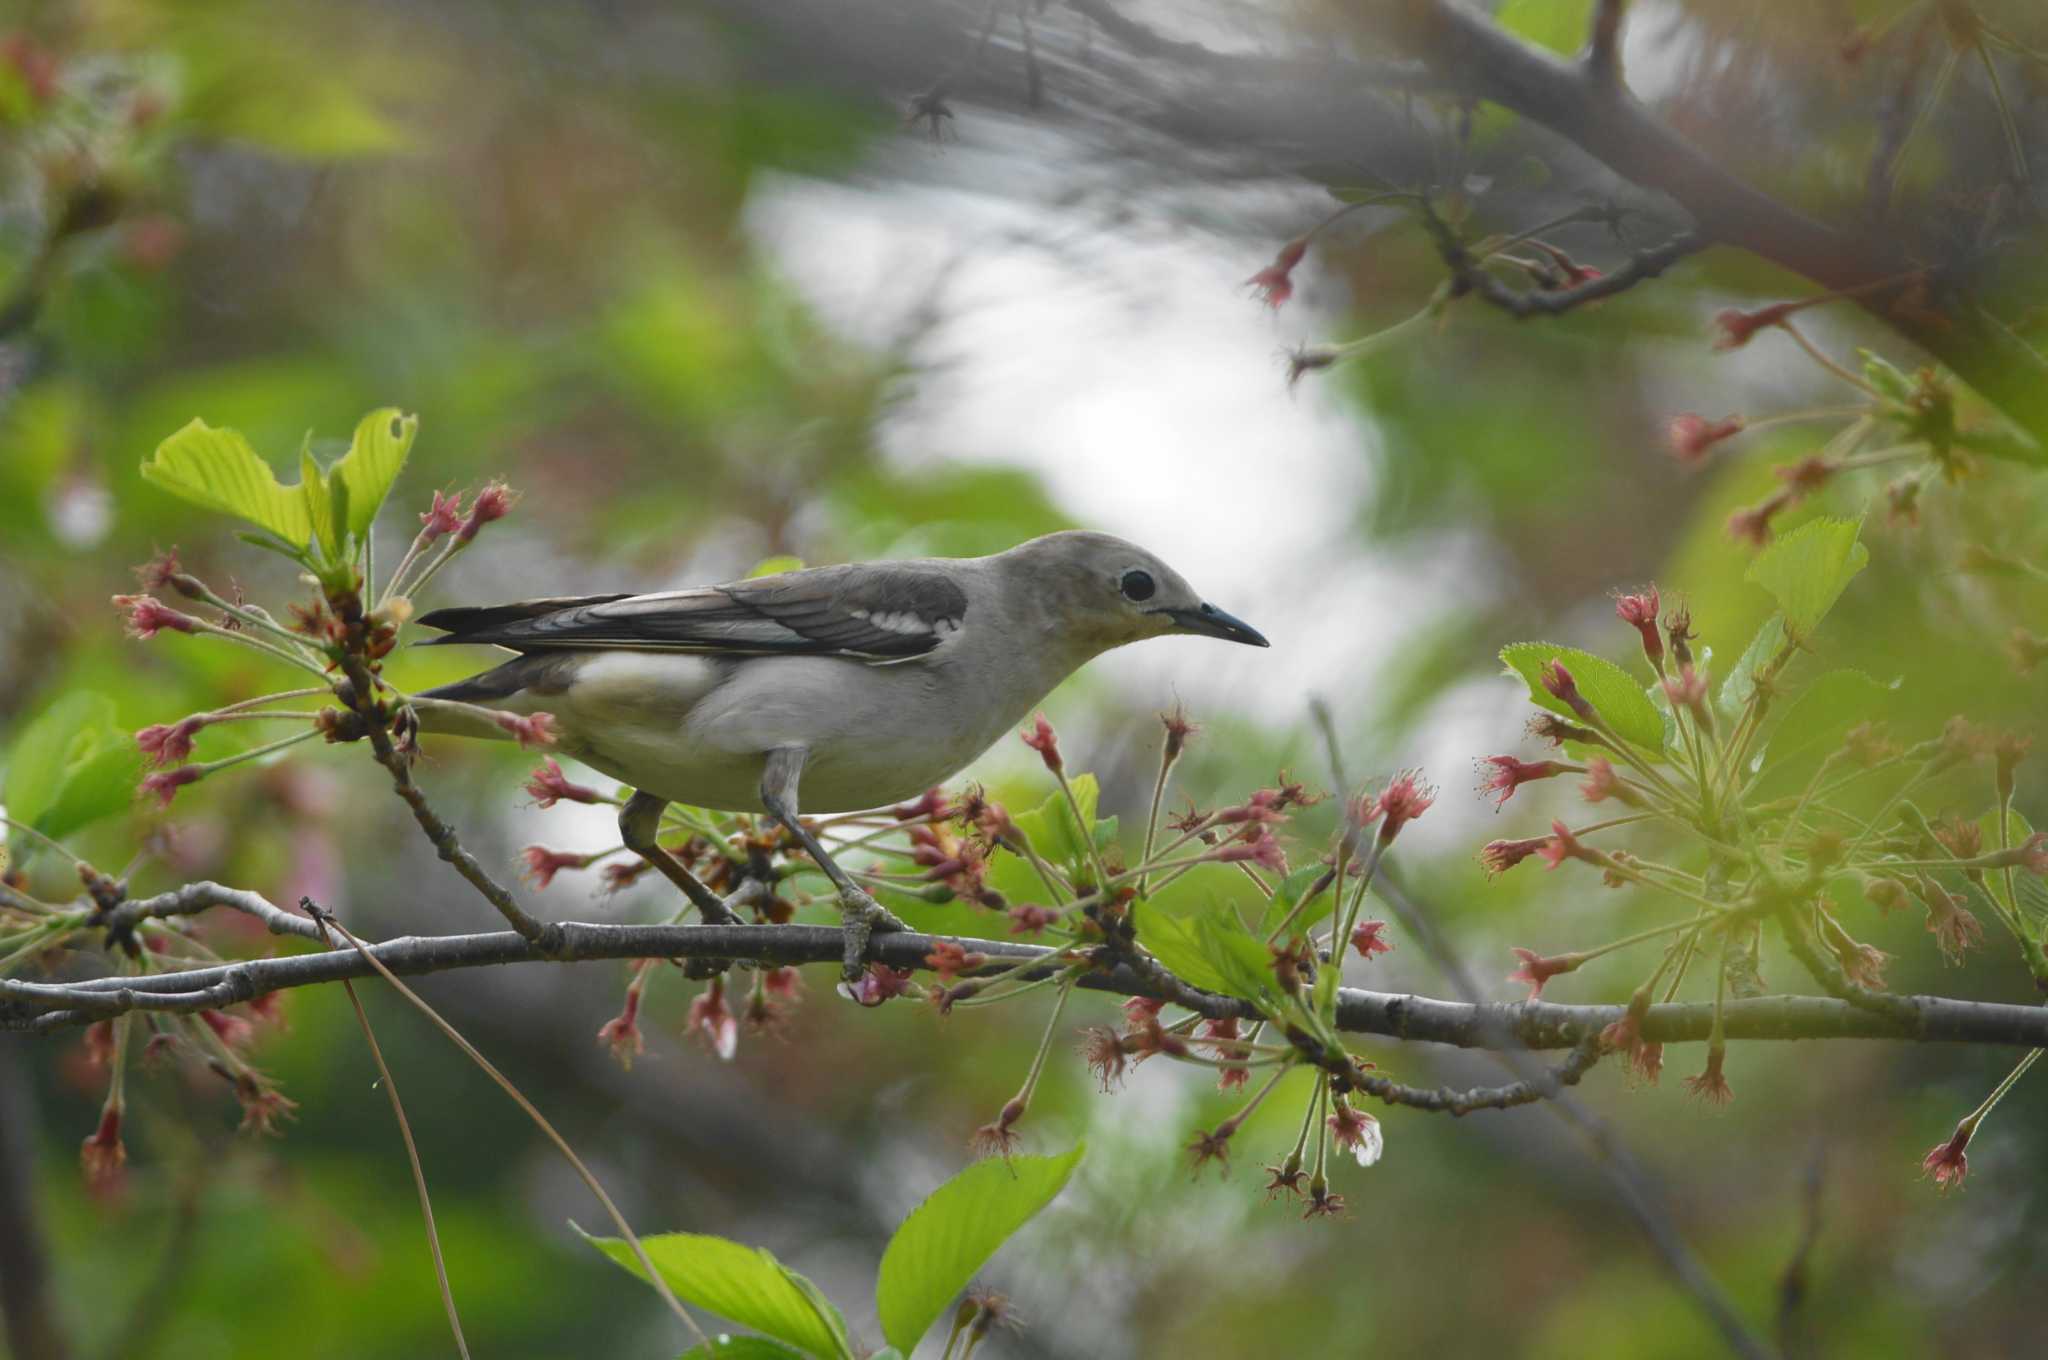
(1370, 1143)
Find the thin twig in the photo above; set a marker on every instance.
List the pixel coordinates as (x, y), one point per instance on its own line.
(654, 1277)
(412, 1156)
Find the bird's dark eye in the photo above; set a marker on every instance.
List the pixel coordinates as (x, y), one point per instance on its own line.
(1138, 585)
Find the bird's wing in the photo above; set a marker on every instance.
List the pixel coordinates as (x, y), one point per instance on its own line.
(873, 612)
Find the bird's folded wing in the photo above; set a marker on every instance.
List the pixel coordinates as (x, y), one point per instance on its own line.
(879, 612)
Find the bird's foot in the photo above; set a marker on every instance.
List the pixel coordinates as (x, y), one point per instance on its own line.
(864, 917)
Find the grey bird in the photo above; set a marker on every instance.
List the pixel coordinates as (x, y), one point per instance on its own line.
(828, 689)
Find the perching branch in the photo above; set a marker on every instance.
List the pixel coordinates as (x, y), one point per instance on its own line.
(1476, 57)
(43, 1007)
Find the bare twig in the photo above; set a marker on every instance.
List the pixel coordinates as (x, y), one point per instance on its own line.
(412, 1157)
(618, 1219)
(360, 695)
(1795, 1281)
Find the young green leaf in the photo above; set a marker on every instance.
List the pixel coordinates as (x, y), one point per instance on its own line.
(1808, 569)
(745, 1284)
(725, 1347)
(1174, 941)
(1741, 681)
(1618, 699)
(218, 469)
(365, 475)
(1826, 707)
(98, 786)
(953, 1233)
(1051, 828)
(1288, 893)
(71, 766)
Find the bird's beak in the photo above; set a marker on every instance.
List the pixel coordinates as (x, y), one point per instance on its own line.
(1210, 621)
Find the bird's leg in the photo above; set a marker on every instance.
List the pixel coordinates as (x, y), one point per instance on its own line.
(639, 820)
(863, 915)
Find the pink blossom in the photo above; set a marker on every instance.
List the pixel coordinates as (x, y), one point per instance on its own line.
(147, 616)
(1692, 436)
(529, 729)
(1042, 739)
(444, 516)
(1275, 282)
(549, 786)
(164, 784)
(167, 744)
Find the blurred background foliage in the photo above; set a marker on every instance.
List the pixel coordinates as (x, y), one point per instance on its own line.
(690, 278)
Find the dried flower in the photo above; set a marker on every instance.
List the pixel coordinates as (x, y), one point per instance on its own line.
(1710, 1085)
(1042, 739)
(1509, 774)
(1947, 1162)
(167, 744)
(549, 786)
(622, 1032)
(1403, 800)
(1368, 938)
(492, 503)
(1537, 969)
(148, 616)
(949, 959)
(1499, 856)
(1736, 327)
(444, 516)
(1262, 850)
(542, 864)
(1275, 283)
(1029, 919)
(1639, 611)
(1178, 730)
(1560, 685)
(999, 1138)
(1692, 436)
(531, 729)
(1563, 845)
(164, 784)
(103, 1155)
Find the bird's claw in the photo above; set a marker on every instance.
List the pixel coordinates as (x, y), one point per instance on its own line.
(864, 917)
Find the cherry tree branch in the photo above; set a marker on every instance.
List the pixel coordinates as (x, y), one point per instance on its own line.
(43, 1007)
(1472, 55)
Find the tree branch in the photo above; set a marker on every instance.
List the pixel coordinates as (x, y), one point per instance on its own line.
(1478, 58)
(1528, 1024)
(1603, 46)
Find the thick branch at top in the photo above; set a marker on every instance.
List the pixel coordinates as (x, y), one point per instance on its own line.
(1473, 56)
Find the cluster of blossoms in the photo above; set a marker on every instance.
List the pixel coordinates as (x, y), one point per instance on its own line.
(1777, 843)
(337, 642)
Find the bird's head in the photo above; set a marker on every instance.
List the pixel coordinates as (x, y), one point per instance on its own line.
(1106, 592)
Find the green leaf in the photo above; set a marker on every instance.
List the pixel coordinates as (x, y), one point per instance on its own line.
(98, 786)
(46, 750)
(71, 766)
(1618, 699)
(953, 1233)
(1827, 706)
(746, 1284)
(1209, 949)
(1559, 25)
(1741, 682)
(366, 473)
(1172, 940)
(1288, 893)
(1808, 569)
(1881, 374)
(1051, 827)
(218, 469)
(742, 1348)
